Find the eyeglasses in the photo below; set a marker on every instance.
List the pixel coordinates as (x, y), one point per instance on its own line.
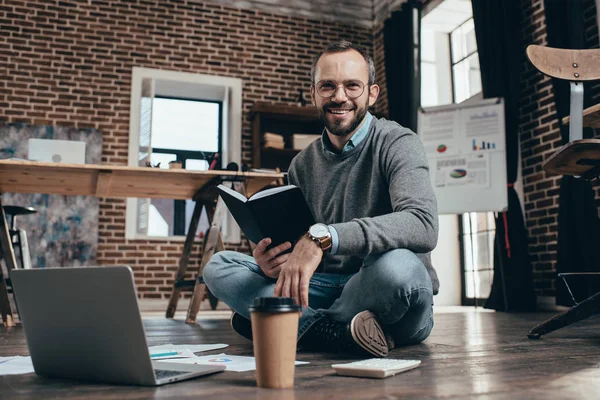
(352, 88)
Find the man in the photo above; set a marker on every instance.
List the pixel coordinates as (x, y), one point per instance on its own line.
(367, 183)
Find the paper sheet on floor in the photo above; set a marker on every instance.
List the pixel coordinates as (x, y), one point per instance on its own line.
(169, 351)
(15, 365)
(232, 363)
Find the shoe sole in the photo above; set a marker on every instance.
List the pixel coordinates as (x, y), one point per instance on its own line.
(368, 334)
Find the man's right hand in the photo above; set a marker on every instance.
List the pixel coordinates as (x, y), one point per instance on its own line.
(270, 261)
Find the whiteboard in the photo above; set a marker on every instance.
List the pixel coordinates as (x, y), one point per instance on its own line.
(466, 150)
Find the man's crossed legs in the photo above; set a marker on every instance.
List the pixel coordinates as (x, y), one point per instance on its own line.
(388, 301)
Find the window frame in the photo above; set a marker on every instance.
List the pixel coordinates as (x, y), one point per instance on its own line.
(465, 300)
(226, 89)
(454, 63)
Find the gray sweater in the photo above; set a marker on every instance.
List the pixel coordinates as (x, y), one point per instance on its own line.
(377, 196)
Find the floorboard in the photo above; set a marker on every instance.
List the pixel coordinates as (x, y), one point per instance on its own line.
(468, 355)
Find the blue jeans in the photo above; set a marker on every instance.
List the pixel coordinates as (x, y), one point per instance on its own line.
(394, 285)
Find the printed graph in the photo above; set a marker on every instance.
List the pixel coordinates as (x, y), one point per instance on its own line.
(483, 145)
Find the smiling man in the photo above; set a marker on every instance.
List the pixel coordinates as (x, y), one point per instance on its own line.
(363, 274)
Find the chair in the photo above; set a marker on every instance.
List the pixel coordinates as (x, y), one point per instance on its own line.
(579, 157)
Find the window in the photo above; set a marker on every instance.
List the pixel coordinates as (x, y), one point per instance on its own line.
(465, 62)
(187, 118)
(188, 132)
(477, 236)
(450, 74)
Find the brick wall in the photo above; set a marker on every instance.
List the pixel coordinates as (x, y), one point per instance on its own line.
(540, 138)
(69, 63)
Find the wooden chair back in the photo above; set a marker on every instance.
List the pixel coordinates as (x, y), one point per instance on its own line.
(571, 65)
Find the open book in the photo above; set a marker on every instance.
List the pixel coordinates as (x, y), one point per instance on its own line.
(280, 213)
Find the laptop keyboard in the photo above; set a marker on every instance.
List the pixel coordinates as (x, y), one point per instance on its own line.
(165, 373)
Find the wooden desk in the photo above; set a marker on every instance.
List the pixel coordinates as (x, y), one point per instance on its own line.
(591, 117)
(115, 181)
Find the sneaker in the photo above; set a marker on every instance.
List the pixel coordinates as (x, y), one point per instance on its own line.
(368, 334)
(241, 325)
(363, 335)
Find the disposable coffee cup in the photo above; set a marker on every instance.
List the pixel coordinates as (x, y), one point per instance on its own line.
(274, 336)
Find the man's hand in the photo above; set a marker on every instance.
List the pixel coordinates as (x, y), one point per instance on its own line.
(297, 270)
(270, 261)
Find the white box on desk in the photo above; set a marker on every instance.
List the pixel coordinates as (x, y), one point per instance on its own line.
(301, 141)
(52, 150)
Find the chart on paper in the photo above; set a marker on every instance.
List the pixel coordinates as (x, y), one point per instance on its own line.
(466, 152)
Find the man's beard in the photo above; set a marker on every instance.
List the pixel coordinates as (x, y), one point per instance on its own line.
(336, 128)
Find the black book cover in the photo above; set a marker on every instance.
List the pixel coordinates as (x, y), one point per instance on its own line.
(280, 213)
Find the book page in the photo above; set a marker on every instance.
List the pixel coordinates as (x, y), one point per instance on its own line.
(233, 193)
(268, 192)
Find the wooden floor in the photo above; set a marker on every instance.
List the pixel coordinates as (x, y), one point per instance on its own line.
(468, 355)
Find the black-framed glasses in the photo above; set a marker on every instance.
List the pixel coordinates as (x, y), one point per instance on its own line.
(353, 88)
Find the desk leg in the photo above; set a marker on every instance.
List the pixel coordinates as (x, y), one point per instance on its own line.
(185, 257)
(11, 262)
(214, 242)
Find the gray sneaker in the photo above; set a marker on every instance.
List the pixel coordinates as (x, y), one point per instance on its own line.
(368, 334)
(362, 336)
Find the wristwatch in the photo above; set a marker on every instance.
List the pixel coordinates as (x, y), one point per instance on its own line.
(321, 235)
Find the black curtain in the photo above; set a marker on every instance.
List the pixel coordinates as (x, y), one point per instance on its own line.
(578, 223)
(402, 34)
(497, 31)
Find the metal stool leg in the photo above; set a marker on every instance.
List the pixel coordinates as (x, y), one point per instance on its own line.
(583, 310)
(15, 239)
(580, 311)
(24, 249)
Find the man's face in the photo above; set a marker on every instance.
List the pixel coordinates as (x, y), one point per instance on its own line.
(341, 114)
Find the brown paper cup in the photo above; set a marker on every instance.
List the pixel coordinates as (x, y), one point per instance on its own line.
(274, 338)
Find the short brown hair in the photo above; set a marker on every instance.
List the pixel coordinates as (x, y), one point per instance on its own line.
(341, 46)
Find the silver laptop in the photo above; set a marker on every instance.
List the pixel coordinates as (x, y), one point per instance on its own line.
(84, 323)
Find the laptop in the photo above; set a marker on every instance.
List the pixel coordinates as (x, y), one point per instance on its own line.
(84, 323)
(58, 151)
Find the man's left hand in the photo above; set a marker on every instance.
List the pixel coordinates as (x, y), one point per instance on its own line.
(296, 272)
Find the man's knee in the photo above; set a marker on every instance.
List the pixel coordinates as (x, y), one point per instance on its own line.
(398, 270)
(216, 267)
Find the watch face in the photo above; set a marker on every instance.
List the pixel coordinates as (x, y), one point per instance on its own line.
(319, 230)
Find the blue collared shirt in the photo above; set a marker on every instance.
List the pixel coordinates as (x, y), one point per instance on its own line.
(354, 141)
